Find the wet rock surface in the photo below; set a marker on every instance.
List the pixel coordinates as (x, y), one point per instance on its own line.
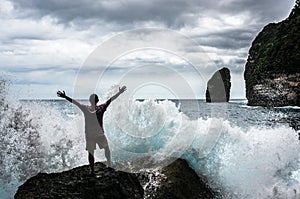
(76, 183)
(175, 180)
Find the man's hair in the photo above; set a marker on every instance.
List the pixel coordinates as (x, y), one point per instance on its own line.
(94, 99)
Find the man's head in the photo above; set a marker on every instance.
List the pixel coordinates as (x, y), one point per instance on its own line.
(94, 99)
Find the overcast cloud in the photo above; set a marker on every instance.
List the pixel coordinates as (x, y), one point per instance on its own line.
(171, 13)
(43, 44)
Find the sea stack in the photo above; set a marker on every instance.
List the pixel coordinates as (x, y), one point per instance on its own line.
(218, 86)
(272, 71)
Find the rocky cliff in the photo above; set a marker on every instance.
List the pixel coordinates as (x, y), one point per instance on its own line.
(272, 72)
(176, 180)
(218, 86)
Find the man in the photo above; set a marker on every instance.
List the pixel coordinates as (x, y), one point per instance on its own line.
(94, 133)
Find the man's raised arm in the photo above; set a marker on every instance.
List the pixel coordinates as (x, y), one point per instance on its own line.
(121, 90)
(63, 95)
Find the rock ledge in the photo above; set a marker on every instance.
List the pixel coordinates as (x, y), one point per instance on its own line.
(176, 180)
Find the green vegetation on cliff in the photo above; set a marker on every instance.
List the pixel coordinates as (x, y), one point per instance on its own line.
(276, 49)
(272, 71)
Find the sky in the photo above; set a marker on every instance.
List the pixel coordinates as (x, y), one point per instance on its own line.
(158, 48)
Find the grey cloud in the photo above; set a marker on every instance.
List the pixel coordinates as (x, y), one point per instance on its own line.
(224, 43)
(239, 61)
(266, 10)
(121, 12)
(235, 65)
(29, 82)
(172, 13)
(99, 69)
(125, 14)
(228, 39)
(29, 69)
(28, 37)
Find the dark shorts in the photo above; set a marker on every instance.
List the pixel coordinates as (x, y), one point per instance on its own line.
(99, 139)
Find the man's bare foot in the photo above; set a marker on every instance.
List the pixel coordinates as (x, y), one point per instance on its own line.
(92, 174)
(108, 163)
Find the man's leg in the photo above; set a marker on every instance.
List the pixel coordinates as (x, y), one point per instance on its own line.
(103, 144)
(92, 161)
(107, 155)
(90, 147)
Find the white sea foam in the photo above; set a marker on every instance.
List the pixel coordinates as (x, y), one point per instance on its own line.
(257, 162)
(288, 107)
(36, 138)
(260, 162)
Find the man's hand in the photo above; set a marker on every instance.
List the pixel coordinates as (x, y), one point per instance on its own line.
(61, 94)
(121, 90)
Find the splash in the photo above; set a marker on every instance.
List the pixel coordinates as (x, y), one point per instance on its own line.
(261, 162)
(257, 162)
(35, 137)
(242, 162)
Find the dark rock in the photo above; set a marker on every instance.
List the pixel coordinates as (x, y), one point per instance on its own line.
(218, 86)
(272, 72)
(174, 180)
(76, 184)
(171, 178)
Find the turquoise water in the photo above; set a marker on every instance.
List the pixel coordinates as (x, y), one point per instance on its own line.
(246, 152)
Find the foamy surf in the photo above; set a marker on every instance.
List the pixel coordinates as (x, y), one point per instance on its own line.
(242, 162)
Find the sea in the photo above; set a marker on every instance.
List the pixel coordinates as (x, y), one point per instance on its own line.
(243, 151)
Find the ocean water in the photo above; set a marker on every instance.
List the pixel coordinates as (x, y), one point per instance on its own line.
(245, 152)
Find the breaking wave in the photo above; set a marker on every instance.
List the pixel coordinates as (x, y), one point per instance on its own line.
(47, 136)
